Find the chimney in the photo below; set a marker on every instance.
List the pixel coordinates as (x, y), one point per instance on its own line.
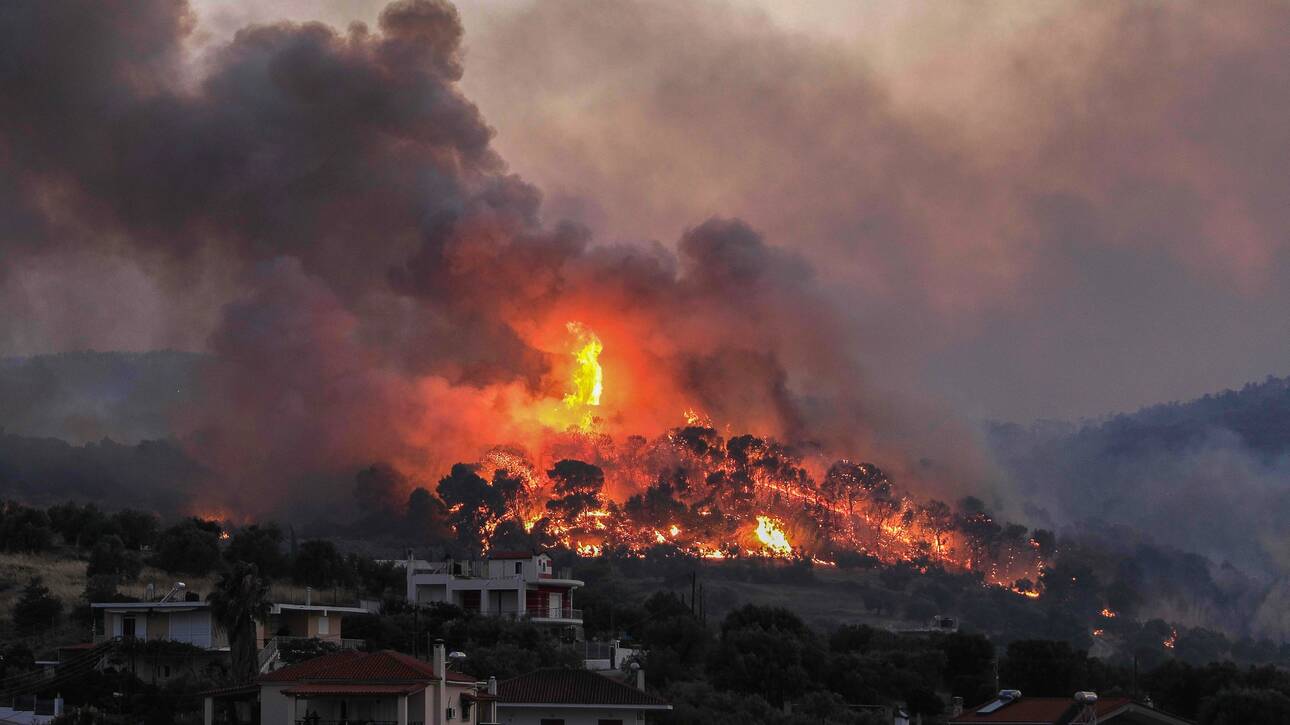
(440, 659)
(640, 679)
(492, 703)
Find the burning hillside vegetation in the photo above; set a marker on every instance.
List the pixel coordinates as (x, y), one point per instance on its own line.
(696, 492)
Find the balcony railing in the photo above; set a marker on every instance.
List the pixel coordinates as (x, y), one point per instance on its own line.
(532, 613)
(481, 570)
(466, 569)
(336, 597)
(343, 643)
(218, 641)
(351, 721)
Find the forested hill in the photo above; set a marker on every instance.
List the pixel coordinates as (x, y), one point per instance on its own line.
(1211, 470)
(86, 396)
(151, 475)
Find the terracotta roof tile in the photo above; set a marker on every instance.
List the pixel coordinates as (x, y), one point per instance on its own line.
(576, 687)
(306, 669)
(1036, 710)
(361, 667)
(322, 690)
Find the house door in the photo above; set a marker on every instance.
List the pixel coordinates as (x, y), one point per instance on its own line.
(557, 604)
(129, 627)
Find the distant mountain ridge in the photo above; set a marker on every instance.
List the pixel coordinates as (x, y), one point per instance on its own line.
(156, 475)
(1258, 414)
(1210, 475)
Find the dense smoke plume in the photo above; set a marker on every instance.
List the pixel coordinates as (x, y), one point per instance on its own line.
(1036, 210)
(1060, 210)
(386, 290)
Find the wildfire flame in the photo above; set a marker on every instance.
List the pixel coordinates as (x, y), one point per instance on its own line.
(698, 493)
(1108, 613)
(588, 376)
(773, 537)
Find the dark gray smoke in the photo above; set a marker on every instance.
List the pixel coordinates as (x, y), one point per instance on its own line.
(380, 287)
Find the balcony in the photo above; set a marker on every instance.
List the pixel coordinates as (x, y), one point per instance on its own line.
(461, 569)
(351, 721)
(564, 614)
(218, 641)
(559, 572)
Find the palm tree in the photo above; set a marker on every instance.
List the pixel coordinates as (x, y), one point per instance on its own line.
(240, 600)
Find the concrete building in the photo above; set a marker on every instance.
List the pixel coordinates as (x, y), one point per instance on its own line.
(575, 697)
(145, 628)
(380, 688)
(506, 584)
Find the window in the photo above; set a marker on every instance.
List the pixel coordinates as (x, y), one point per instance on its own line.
(519, 567)
(551, 721)
(191, 627)
(324, 625)
(609, 722)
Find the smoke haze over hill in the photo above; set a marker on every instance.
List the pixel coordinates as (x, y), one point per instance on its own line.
(380, 238)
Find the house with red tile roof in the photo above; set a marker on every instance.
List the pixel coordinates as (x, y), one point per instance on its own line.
(575, 697)
(380, 688)
(1011, 708)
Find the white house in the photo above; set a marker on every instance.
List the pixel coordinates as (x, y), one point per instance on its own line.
(574, 697)
(142, 628)
(508, 584)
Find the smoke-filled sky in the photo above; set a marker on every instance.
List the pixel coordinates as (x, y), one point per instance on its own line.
(858, 226)
(1032, 210)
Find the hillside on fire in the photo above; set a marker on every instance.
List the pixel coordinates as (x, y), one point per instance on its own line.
(412, 362)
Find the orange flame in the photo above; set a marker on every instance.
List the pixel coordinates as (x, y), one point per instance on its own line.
(772, 537)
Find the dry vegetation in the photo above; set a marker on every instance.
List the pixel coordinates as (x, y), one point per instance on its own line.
(64, 575)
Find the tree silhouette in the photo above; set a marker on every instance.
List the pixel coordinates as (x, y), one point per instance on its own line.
(240, 599)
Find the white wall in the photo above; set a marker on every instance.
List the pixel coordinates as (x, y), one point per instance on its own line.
(275, 707)
(432, 593)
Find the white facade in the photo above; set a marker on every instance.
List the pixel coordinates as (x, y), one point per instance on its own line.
(192, 623)
(186, 622)
(527, 587)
